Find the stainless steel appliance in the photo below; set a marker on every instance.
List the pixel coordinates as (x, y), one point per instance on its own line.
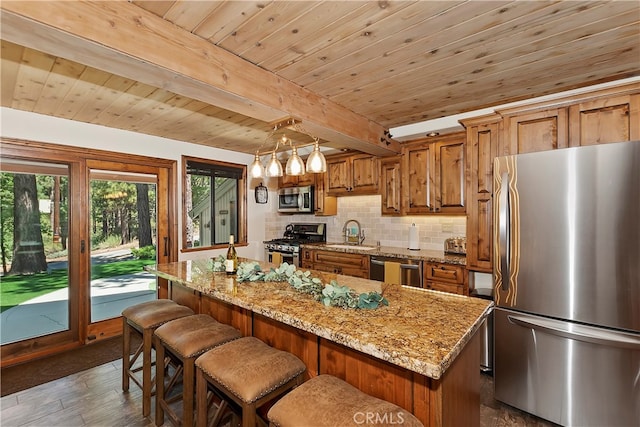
(485, 331)
(410, 270)
(455, 245)
(567, 284)
(295, 200)
(294, 235)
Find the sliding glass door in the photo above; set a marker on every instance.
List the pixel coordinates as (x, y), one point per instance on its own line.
(77, 228)
(123, 228)
(34, 221)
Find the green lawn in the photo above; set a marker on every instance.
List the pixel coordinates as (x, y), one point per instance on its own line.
(15, 290)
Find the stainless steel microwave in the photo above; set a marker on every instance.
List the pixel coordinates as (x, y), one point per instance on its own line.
(295, 200)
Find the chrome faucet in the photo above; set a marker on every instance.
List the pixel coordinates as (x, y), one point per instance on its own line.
(353, 235)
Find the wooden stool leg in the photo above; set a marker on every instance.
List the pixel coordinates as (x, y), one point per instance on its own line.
(202, 407)
(126, 353)
(146, 372)
(187, 391)
(160, 369)
(249, 415)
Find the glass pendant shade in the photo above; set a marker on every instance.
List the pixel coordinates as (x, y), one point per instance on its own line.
(316, 162)
(295, 165)
(274, 167)
(256, 168)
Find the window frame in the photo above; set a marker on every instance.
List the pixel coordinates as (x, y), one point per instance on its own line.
(241, 238)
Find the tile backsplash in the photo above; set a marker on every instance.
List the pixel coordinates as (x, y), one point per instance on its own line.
(390, 231)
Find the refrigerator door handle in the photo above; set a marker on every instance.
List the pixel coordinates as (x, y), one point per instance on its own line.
(504, 232)
(579, 332)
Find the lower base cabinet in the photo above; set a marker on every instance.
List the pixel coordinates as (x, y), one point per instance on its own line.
(349, 264)
(446, 278)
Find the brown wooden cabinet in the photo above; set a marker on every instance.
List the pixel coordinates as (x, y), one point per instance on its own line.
(481, 147)
(391, 188)
(604, 120)
(324, 204)
(446, 278)
(308, 178)
(433, 175)
(354, 174)
(609, 115)
(598, 117)
(349, 264)
(418, 188)
(534, 131)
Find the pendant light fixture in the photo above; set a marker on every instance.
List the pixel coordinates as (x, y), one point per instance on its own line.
(256, 169)
(295, 166)
(274, 167)
(316, 162)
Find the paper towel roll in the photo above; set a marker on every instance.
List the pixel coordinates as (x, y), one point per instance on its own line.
(413, 238)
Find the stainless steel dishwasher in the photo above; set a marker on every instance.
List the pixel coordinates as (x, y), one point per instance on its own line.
(410, 270)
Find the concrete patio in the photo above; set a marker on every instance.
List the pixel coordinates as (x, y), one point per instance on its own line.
(49, 313)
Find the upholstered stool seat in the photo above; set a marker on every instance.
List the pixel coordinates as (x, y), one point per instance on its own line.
(326, 401)
(143, 319)
(184, 340)
(248, 372)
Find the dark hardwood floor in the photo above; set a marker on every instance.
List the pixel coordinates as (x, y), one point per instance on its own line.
(94, 398)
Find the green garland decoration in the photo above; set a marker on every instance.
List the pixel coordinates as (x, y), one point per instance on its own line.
(332, 294)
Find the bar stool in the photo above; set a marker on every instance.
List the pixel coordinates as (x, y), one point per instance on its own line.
(247, 372)
(326, 401)
(183, 340)
(143, 319)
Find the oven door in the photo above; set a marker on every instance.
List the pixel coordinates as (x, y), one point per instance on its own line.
(288, 257)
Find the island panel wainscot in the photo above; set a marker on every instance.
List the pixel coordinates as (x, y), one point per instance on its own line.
(420, 352)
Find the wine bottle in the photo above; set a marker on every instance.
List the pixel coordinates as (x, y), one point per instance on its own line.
(231, 264)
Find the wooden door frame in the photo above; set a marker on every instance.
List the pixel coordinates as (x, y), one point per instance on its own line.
(79, 159)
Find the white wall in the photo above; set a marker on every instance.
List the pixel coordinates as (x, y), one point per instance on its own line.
(41, 128)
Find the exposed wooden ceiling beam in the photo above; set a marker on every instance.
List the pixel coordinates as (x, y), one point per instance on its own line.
(122, 38)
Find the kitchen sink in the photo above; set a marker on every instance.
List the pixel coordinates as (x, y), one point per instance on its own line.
(361, 248)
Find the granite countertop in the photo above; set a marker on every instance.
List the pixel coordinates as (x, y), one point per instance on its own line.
(428, 255)
(420, 330)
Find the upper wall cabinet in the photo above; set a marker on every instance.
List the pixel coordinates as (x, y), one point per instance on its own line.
(324, 204)
(308, 178)
(433, 175)
(609, 115)
(599, 117)
(391, 188)
(351, 175)
(535, 131)
(611, 119)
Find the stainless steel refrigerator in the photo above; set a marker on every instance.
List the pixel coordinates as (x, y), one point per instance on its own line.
(567, 284)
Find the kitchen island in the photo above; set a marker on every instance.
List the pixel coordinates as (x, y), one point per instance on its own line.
(420, 352)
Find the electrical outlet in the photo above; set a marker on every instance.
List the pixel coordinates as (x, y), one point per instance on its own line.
(447, 227)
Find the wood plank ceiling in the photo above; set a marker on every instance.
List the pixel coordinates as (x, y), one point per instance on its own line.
(389, 63)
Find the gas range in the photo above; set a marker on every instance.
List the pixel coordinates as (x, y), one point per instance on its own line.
(288, 246)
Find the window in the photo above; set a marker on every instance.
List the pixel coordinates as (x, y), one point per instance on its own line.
(214, 203)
